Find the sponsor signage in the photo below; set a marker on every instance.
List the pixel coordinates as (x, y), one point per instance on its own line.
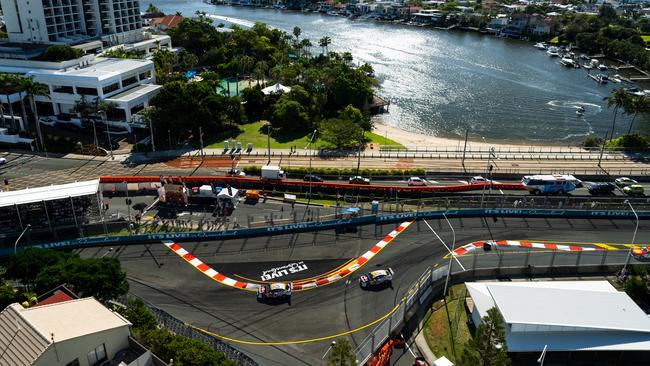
(282, 271)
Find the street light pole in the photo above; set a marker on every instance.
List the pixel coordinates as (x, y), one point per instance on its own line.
(153, 145)
(359, 153)
(311, 140)
(629, 254)
(488, 170)
(268, 142)
(20, 237)
(108, 132)
(540, 360)
(128, 206)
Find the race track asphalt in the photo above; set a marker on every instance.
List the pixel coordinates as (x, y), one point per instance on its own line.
(161, 277)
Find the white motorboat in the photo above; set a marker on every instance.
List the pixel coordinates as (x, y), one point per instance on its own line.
(540, 45)
(581, 108)
(635, 91)
(602, 67)
(553, 51)
(568, 62)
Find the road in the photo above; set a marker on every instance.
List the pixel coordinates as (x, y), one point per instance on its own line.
(186, 293)
(25, 170)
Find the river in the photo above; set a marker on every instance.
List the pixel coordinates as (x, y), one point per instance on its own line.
(443, 83)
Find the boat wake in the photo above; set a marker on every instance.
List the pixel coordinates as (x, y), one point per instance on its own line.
(589, 108)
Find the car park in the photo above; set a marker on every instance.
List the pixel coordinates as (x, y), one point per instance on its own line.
(633, 190)
(359, 180)
(625, 181)
(416, 181)
(601, 188)
(478, 180)
(275, 290)
(378, 278)
(312, 178)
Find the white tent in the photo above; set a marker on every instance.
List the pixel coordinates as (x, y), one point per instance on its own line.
(276, 89)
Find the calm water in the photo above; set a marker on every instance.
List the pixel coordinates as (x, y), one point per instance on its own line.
(445, 82)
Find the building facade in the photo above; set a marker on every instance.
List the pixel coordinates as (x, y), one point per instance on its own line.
(72, 21)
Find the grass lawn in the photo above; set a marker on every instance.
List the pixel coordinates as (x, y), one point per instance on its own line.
(436, 328)
(255, 133)
(646, 38)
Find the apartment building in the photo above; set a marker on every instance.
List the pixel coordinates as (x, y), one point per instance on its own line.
(72, 21)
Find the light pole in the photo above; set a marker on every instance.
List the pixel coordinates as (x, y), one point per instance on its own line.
(311, 140)
(359, 152)
(488, 170)
(29, 226)
(128, 207)
(268, 142)
(153, 145)
(108, 132)
(328, 349)
(629, 254)
(104, 255)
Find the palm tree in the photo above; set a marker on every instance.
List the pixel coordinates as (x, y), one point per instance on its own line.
(634, 106)
(324, 43)
(617, 99)
(20, 84)
(306, 44)
(296, 33)
(34, 89)
(86, 109)
(8, 84)
(103, 109)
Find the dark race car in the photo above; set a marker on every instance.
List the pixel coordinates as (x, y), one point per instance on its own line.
(378, 278)
(274, 291)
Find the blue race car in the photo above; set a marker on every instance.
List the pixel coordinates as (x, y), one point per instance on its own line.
(380, 277)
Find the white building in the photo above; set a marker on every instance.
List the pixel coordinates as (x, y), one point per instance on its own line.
(72, 21)
(79, 332)
(565, 316)
(127, 83)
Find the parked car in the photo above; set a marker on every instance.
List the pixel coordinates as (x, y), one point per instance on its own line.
(416, 181)
(49, 121)
(625, 181)
(3, 161)
(276, 290)
(601, 188)
(235, 173)
(633, 190)
(380, 277)
(359, 180)
(478, 180)
(312, 178)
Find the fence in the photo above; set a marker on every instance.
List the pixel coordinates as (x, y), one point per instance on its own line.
(181, 329)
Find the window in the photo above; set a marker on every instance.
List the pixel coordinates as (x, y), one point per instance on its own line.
(74, 362)
(97, 356)
(145, 75)
(63, 89)
(111, 88)
(86, 91)
(130, 81)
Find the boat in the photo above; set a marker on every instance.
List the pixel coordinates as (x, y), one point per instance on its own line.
(579, 113)
(553, 51)
(568, 62)
(602, 78)
(587, 66)
(540, 45)
(602, 67)
(635, 91)
(584, 57)
(581, 108)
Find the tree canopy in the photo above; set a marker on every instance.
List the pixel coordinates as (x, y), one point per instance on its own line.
(488, 347)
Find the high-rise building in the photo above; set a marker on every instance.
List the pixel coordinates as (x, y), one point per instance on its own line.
(71, 21)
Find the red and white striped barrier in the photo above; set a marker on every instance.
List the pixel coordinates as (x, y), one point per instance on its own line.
(297, 285)
(523, 244)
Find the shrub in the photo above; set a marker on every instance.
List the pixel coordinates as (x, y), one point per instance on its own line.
(59, 53)
(632, 141)
(591, 141)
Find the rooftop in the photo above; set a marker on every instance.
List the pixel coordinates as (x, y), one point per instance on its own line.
(131, 94)
(101, 69)
(169, 21)
(49, 193)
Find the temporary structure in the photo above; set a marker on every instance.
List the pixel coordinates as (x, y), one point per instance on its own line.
(276, 89)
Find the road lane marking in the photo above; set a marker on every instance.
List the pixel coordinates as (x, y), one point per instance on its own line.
(606, 246)
(301, 341)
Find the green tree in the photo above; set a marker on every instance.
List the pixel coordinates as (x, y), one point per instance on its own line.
(341, 354)
(354, 115)
(138, 314)
(341, 133)
(59, 53)
(9, 83)
(255, 103)
(488, 347)
(616, 99)
(26, 265)
(289, 115)
(152, 9)
(635, 287)
(184, 351)
(634, 106)
(325, 42)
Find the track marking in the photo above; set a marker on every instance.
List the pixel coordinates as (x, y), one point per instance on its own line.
(284, 343)
(606, 246)
(296, 286)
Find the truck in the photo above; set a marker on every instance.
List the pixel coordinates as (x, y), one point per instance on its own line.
(272, 172)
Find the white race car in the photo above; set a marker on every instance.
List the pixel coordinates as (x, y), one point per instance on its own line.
(380, 277)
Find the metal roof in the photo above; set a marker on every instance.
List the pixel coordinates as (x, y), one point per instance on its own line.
(49, 193)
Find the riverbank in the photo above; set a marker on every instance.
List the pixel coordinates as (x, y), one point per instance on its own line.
(413, 141)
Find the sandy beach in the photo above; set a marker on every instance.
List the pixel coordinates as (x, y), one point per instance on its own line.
(413, 140)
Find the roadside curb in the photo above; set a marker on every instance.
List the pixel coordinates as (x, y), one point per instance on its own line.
(423, 347)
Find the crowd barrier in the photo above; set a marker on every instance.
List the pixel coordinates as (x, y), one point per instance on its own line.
(329, 225)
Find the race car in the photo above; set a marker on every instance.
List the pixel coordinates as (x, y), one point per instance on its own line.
(641, 252)
(275, 290)
(377, 278)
